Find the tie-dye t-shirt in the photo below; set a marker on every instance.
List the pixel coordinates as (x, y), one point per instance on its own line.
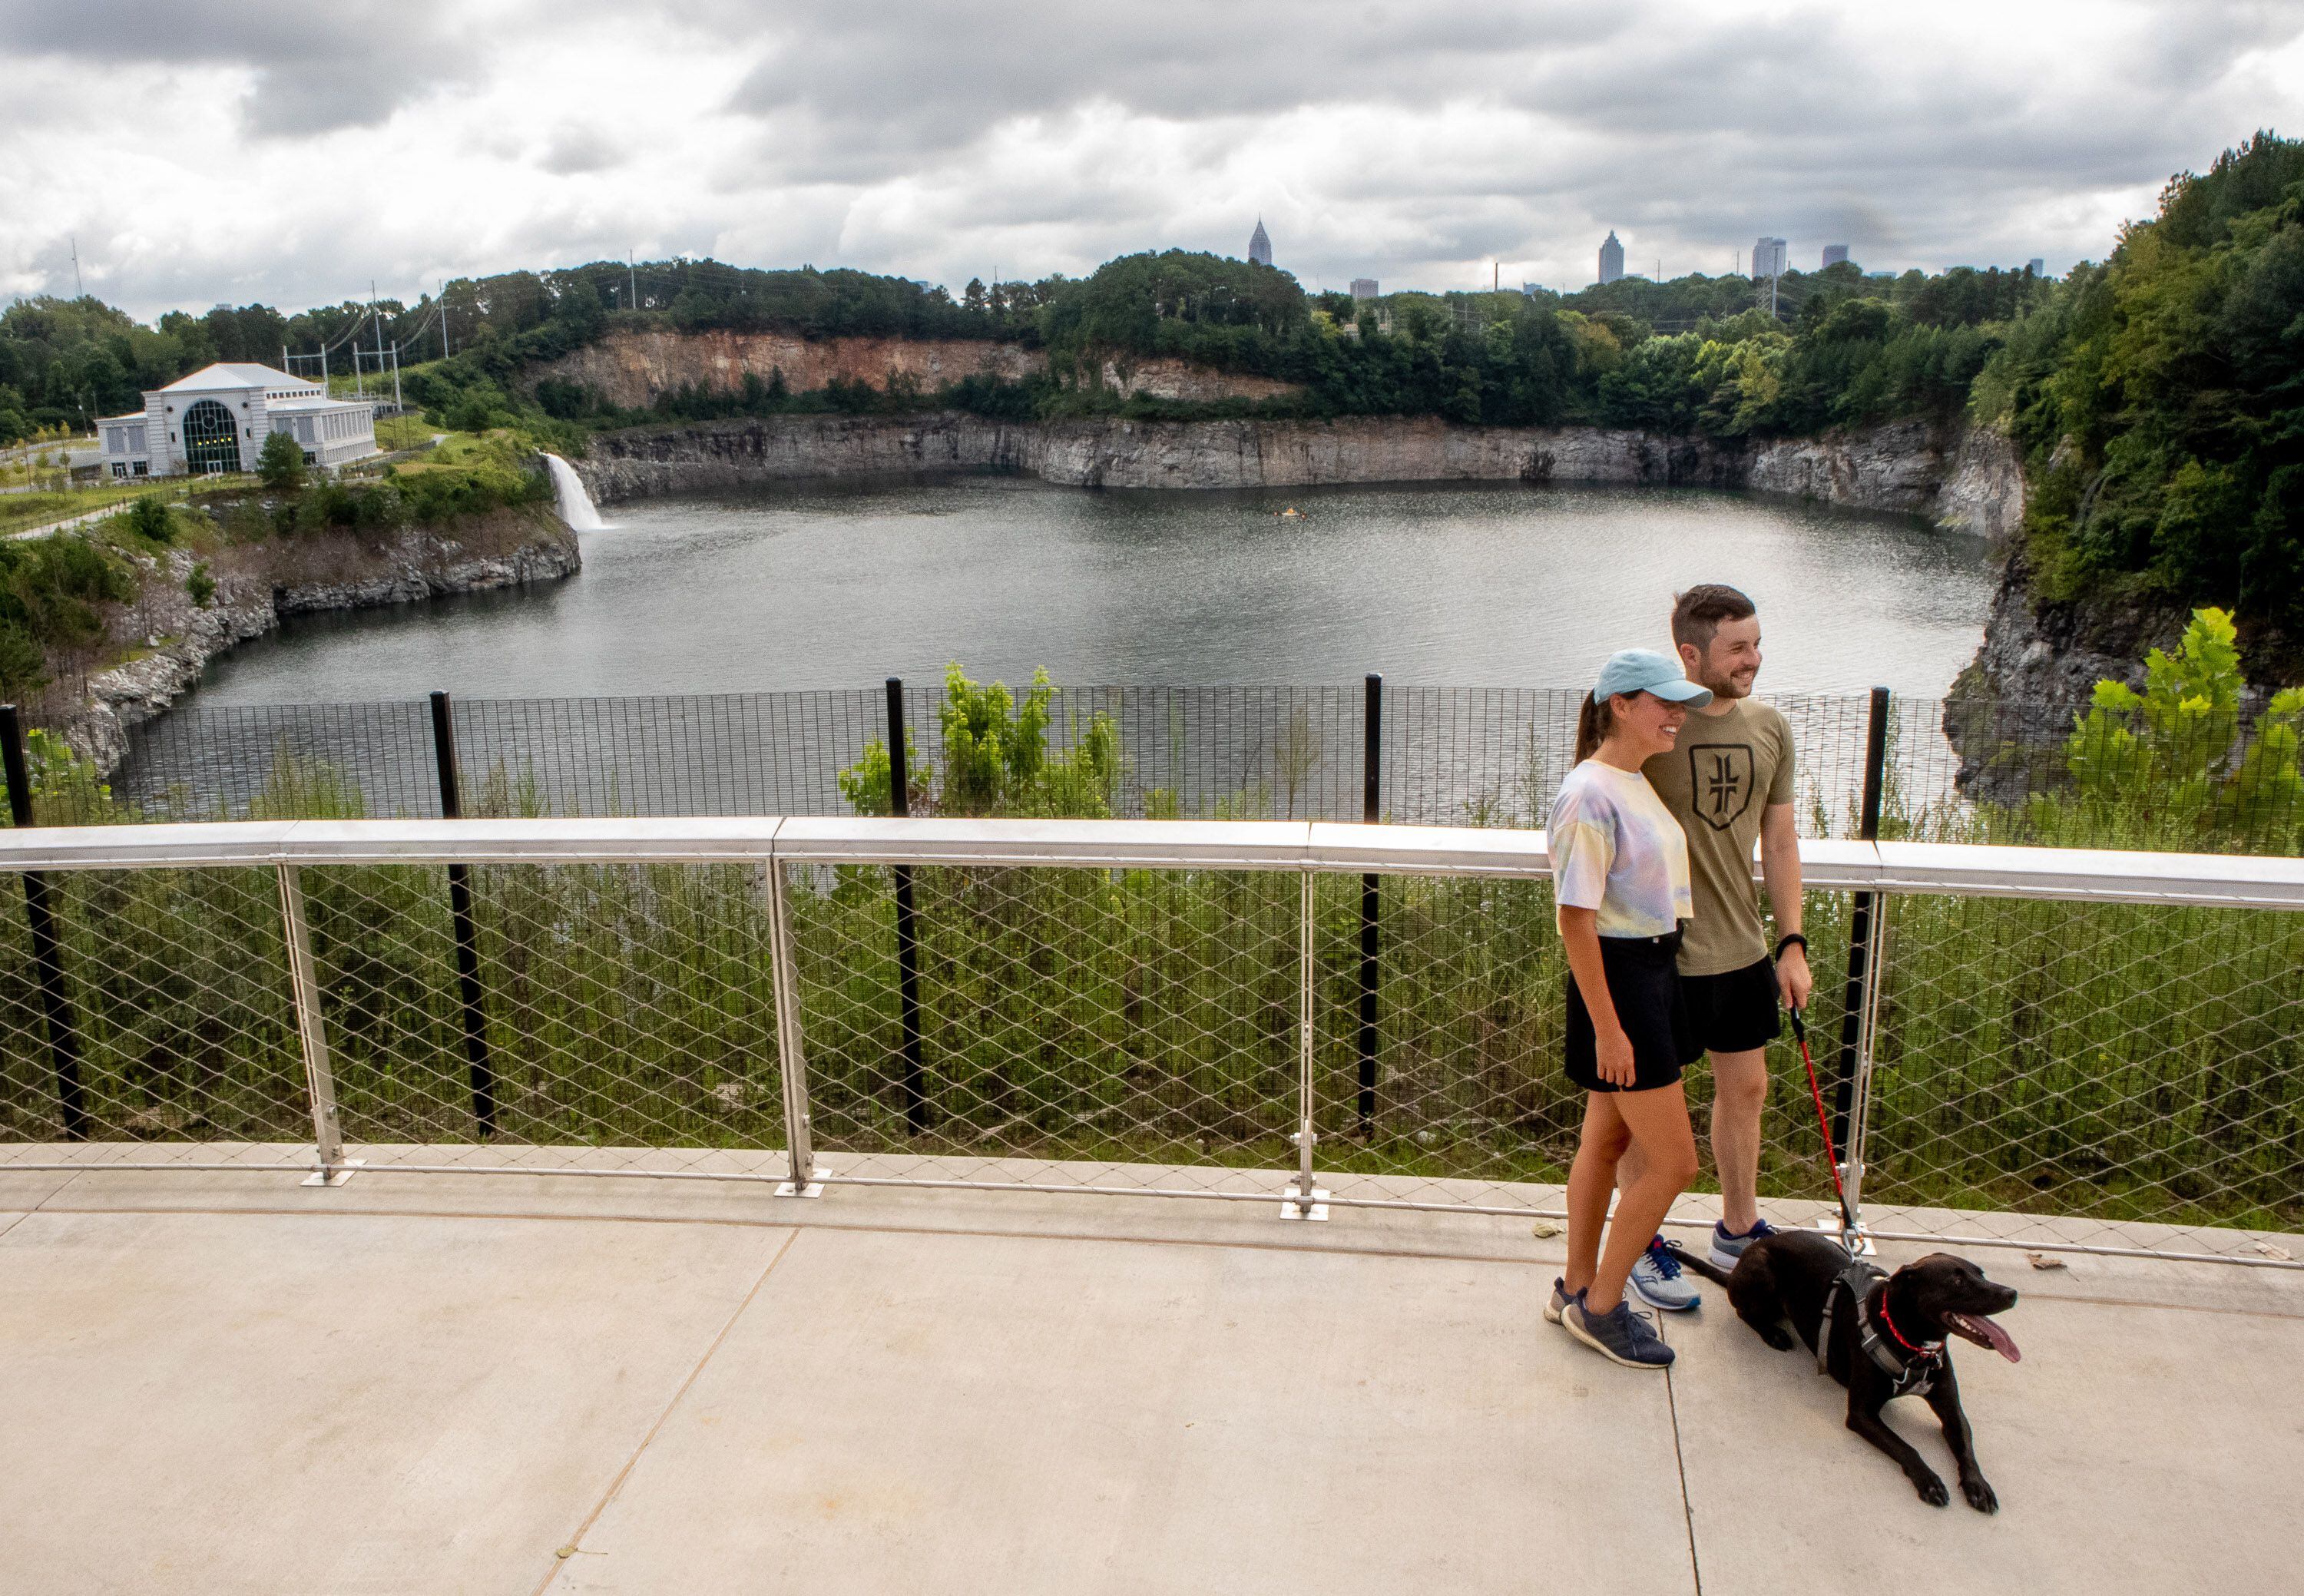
(1617, 849)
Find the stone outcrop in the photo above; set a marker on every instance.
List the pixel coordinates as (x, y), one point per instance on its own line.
(629, 369)
(173, 639)
(1968, 482)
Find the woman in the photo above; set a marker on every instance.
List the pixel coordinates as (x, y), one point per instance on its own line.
(1620, 870)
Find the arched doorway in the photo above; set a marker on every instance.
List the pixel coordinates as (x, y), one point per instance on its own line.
(211, 438)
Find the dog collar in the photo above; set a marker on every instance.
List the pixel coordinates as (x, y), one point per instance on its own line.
(1925, 1349)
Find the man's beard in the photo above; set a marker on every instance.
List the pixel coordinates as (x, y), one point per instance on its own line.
(1728, 687)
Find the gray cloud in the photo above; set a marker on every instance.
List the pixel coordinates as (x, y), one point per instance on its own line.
(573, 150)
(339, 63)
(1418, 141)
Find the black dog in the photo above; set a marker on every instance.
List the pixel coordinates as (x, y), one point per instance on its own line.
(1885, 1338)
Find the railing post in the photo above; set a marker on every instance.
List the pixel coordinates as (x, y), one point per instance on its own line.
(467, 935)
(1859, 1119)
(1371, 766)
(791, 1058)
(312, 1036)
(912, 1089)
(1856, 1011)
(1302, 1200)
(48, 950)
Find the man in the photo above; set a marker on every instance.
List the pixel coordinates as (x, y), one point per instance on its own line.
(1729, 784)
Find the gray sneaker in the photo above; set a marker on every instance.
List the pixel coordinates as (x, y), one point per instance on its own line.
(1660, 1282)
(1727, 1246)
(1622, 1337)
(1560, 1301)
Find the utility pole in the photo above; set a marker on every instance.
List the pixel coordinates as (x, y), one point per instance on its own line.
(377, 316)
(443, 318)
(632, 275)
(80, 290)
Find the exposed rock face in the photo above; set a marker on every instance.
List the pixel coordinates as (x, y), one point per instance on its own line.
(1983, 487)
(257, 584)
(1900, 468)
(1126, 453)
(1164, 378)
(628, 369)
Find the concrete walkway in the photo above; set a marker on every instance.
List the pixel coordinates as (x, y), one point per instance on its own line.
(229, 1382)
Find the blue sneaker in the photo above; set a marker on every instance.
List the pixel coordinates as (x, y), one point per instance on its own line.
(1560, 1301)
(1727, 1246)
(1659, 1281)
(1622, 1337)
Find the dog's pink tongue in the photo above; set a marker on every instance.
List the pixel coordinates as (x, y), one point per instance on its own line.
(2000, 1340)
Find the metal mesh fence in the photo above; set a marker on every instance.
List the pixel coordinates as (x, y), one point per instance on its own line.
(1951, 770)
(2046, 1073)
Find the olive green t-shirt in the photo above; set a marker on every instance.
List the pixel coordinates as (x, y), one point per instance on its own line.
(1727, 769)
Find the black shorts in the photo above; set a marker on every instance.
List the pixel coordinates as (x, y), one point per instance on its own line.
(1735, 1011)
(1643, 975)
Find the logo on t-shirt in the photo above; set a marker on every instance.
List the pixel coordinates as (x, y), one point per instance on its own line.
(1720, 782)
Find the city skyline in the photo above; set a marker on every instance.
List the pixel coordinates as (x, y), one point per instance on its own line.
(501, 134)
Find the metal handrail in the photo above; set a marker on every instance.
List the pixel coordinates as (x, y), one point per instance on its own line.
(2077, 875)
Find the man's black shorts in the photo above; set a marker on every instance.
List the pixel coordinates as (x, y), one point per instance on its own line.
(1736, 1011)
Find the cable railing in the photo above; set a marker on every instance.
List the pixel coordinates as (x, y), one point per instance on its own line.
(2045, 1049)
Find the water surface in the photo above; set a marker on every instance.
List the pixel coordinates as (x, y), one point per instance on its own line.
(843, 584)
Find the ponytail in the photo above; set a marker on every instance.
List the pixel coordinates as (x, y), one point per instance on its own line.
(1595, 719)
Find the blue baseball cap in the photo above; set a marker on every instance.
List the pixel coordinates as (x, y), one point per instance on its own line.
(1644, 670)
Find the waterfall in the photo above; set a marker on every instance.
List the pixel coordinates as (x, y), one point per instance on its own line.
(575, 505)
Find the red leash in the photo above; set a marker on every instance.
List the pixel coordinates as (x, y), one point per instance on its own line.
(1823, 1122)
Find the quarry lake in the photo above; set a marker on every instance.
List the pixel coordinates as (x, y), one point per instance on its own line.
(840, 585)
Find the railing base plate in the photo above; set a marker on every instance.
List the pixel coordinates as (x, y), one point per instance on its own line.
(813, 1188)
(1858, 1242)
(336, 1177)
(1293, 1204)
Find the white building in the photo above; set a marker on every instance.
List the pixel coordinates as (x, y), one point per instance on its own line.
(217, 420)
(1259, 244)
(1768, 258)
(1612, 257)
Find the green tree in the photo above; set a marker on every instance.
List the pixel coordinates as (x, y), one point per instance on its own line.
(2171, 759)
(281, 463)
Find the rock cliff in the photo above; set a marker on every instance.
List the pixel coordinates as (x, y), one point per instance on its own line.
(629, 369)
(174, 639)
(1967, 480)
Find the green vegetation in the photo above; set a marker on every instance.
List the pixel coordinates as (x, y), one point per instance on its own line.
(280, 463)
(51, 591)
(2160, 399)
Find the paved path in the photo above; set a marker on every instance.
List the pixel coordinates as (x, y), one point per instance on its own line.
(229, 1382)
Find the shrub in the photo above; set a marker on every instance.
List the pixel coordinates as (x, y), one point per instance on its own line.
(281, 463)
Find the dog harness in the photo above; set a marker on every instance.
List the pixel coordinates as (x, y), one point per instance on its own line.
(1912, 1375)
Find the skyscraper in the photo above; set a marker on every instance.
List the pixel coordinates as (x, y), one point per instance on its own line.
(1836, 254)
(1259, 245)
(2037, 266)
(1612, 257)
(1364, 288)
(1768, 258)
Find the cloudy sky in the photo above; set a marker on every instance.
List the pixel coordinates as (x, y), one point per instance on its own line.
(292, 152)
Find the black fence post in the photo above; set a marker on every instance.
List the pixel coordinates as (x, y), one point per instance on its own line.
(1371, 811)
(468, 933)
(1860, 919)
(913, 1088)
(47, 952)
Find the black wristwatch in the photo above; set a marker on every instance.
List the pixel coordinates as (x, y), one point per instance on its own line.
(1786, 940)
